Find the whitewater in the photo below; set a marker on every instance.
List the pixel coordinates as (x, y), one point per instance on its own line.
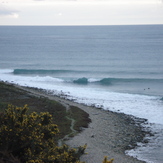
(116, 68)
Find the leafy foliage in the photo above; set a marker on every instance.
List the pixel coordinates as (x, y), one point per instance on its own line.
(30, 137)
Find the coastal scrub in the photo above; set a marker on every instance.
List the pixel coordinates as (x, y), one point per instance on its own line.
(30, 138)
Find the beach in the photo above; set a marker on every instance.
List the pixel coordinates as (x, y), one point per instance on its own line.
(108, 134)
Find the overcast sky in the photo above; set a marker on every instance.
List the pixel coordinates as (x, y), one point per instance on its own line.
(80, 12)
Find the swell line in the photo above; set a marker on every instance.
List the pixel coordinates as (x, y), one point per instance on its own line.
(41, 71)
(110, 81)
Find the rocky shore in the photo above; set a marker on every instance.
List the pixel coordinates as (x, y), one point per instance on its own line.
(109, 134)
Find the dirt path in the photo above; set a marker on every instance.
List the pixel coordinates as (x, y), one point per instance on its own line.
(66, 137)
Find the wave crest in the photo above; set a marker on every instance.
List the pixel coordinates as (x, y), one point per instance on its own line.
(106, 81)
(81, 81)
(38, 71)
(84, 80)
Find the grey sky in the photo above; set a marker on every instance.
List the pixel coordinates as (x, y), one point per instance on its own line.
(80, 12)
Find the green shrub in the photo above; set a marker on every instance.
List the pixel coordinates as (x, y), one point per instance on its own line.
(31, 138)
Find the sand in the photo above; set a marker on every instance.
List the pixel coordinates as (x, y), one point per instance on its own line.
(109, 134)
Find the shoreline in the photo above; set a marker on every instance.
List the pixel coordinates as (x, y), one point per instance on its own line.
(108, 134)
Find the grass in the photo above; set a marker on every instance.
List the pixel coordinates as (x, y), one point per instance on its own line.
(9, 94)
(80, 117)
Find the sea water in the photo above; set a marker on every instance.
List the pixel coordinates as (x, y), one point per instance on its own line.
(117, 68)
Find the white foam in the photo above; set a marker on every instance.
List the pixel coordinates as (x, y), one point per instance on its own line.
(91, 80)
(153, 150)
(148, 107)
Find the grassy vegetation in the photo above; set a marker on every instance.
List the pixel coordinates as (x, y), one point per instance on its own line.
(9, 94)
(81, 119)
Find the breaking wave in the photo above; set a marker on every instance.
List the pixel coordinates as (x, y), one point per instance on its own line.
(112, 81)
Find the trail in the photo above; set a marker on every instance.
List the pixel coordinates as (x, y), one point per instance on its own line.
(73, 131)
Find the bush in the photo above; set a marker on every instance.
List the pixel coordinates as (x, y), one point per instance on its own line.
(30, 138)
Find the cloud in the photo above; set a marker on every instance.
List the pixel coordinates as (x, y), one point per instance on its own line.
(81, 12)
(5, 12)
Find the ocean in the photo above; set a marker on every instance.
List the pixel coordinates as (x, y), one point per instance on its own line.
(116, 68)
